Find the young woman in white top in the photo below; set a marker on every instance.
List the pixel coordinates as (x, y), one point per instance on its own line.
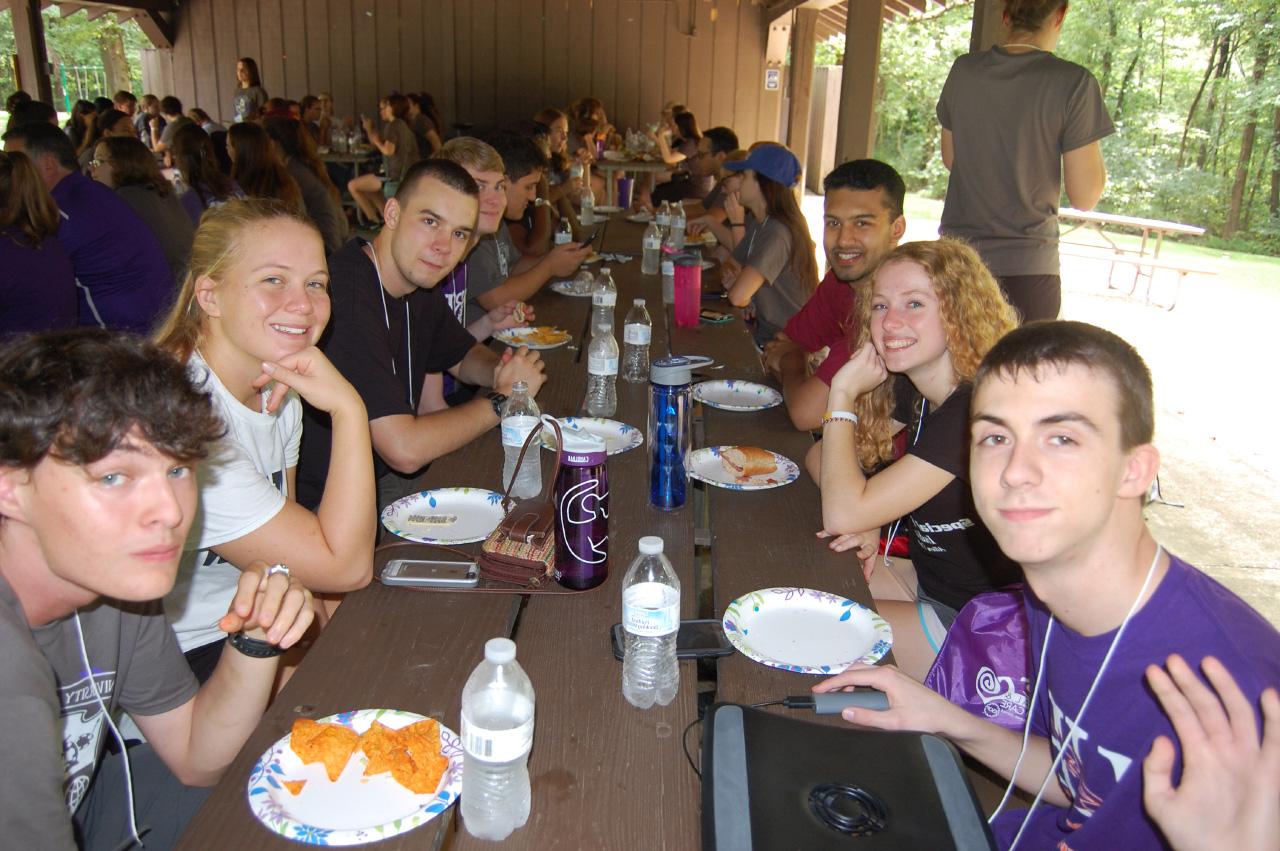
(246, 322)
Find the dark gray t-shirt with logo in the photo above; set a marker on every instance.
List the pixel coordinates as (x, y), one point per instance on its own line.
(53, 726)
(1012, 116)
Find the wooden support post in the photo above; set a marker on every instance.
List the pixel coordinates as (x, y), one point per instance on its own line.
(157, 29)
(804, 38)
(988, 24)
(857, 128)
(28, 38)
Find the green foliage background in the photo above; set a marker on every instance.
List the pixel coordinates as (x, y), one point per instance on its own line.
(1150, 57)
(73, 41)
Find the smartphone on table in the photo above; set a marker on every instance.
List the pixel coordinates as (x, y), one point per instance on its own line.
(427, 573)
(697, 639)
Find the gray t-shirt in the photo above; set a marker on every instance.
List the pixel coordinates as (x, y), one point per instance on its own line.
(1012, 117)
(406, 153)
(766, 247)
(321, 208)
(54, 730)
(168, 220)
(166, 135)
(488, 265)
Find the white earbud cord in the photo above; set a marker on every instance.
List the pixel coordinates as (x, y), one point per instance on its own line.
(1084, 706)
(135, 837)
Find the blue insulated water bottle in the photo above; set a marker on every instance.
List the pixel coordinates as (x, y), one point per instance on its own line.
(670, 428)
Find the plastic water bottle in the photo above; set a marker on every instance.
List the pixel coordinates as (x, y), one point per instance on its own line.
(497, 734)
(663, 219)
(587, 216)
(652, 256)
(519, 417)
(602, 374)
(637, 331)
(564, 233)
(677, 226)
(668, 280)
(650, 621)
(603, 299)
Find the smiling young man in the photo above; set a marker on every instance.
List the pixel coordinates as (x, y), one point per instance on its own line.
(862, 222)
(391, 326)
(1061, 461)
(98, 433)
(496, 271)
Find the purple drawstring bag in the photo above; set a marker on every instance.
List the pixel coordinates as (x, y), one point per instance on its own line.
(984, 665)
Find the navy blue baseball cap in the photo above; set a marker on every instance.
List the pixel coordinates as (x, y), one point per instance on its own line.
(773, 161)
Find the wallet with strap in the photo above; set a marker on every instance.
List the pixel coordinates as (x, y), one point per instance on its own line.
(521, 550)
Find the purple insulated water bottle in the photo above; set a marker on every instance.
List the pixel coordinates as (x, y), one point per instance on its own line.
(582, 512)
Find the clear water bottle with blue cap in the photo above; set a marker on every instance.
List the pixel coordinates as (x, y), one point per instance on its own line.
(650, 622)
(670, 428)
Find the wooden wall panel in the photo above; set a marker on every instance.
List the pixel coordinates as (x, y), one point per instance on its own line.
(197, 23)
(604, 54)
(483, 60)
(700, 51)
(271, 53)
(342, 56)
(625, 105)
(558, 53)
(386, 29)
(580, 55)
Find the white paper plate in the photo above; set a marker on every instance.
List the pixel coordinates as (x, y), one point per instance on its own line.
(733, 395)
(807, 631)
(707, 264)
(640, 218)
(616, 156)
(618, 437)
(516, 337)
(566, 288)
(445, 515)
(354, 809)
(607, 209)
(593, 258)
(705, 466)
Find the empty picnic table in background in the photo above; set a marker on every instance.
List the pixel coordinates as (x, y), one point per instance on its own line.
(1145, 260)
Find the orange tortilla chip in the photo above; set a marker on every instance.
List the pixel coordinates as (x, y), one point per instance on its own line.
(328, 744)
(411, 754)
(294, 786)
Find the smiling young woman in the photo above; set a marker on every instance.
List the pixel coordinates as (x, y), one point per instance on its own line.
(923, 323)
(246, 322)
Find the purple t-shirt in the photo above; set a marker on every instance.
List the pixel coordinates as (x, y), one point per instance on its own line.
(122, 277)
(37, 286)
(1189, 614)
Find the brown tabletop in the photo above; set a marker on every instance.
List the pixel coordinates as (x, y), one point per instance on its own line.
(604, 774)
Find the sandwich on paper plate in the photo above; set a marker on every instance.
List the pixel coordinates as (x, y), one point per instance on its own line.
(747, 461)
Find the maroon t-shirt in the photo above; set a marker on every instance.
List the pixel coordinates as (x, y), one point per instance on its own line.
(824, 321)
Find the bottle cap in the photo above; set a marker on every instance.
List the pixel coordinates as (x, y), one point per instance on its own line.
(675, 371)
(499, 651)
(520, 386)
(639, 302)
(650, 545)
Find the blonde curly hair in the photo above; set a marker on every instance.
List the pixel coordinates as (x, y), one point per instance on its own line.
(975, 315)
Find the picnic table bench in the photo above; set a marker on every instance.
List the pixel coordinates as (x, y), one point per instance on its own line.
(1144, 265)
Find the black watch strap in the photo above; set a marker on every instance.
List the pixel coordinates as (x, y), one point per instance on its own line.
(497, 400)
(254, 648)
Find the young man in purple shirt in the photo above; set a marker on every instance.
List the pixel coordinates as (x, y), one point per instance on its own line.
(1060, 464)
(122, 278)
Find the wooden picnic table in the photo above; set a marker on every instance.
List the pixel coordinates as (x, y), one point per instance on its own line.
(1143, 265)
(611, 166)
(604, 774)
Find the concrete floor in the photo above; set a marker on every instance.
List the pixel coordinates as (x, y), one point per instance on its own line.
(1216, 408)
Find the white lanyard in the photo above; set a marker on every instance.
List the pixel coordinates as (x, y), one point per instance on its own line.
(386, 317)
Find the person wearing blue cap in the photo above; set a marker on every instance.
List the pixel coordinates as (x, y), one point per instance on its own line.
(775, 267)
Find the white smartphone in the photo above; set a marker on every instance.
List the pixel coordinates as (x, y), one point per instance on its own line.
(431, 574)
